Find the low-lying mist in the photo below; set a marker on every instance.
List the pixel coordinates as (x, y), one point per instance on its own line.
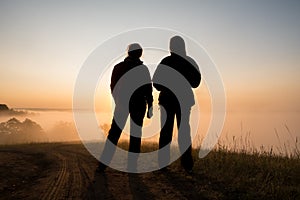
(275, 131)
(14, 131)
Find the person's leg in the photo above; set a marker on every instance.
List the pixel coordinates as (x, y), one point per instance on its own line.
(165, 136)
(118, 123)
(184, 138)
(136, 123)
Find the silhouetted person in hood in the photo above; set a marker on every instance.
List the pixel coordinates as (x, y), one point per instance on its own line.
(131, 88)
(175, 77)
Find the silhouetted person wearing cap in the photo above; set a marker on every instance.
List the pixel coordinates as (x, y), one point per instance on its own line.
(175, 77)
(131, 88)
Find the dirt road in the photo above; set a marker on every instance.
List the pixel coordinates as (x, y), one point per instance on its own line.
(67, 171)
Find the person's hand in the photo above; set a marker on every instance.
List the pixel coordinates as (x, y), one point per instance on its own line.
(150, 112)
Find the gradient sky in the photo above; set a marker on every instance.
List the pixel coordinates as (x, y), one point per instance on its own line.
(255, 45)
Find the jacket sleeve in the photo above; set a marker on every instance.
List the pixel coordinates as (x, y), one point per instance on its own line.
(156, 78)
(113, 80)
(148, 89)
(194, 75)
(116, 75)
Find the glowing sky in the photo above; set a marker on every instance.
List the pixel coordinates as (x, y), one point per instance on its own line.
(255, 45)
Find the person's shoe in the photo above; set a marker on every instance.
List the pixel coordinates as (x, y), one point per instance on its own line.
(187, 164)
(189, 171)
(101, 168)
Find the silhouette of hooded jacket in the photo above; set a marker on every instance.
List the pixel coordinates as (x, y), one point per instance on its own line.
(131, 79)
(175, 77)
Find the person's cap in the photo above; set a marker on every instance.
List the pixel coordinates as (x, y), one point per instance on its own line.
(135, 50)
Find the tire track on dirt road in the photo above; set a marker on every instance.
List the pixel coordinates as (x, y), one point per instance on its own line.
(70, 180)
(68, 171)
(58, 181)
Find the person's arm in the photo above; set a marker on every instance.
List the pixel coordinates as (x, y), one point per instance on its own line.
(113, 80)
(149, 99)
(116, 74)
(194, 75)
(156, 77)
(148, 95)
